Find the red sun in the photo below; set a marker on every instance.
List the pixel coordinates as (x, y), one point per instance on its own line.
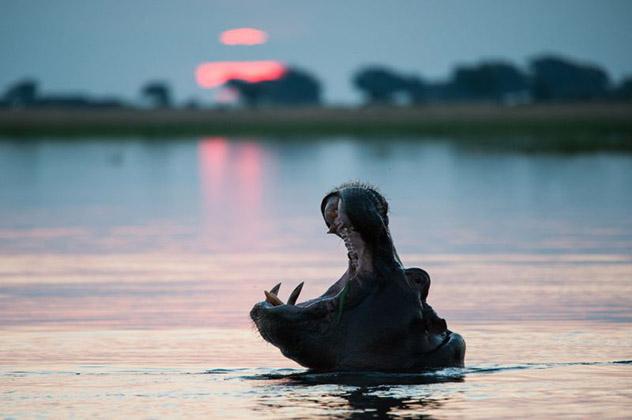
(243, 36)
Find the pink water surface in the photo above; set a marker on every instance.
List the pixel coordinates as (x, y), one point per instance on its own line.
(128, 268)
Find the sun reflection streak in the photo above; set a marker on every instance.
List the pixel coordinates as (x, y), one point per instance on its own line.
(213, 153)
(230, 177)
(250, 161)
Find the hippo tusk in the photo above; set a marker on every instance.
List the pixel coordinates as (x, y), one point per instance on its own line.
(272, 298)
(297, 291)
(275, 289)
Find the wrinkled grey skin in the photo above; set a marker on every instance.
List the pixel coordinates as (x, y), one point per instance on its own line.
(375, 317)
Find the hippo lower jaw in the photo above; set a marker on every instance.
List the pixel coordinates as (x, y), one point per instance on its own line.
(296, 344)
(300, 329)
(450, 353)
(375, 317)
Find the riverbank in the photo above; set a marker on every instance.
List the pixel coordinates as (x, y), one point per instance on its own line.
(610, 125)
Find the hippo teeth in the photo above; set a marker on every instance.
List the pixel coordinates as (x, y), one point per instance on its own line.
(297, 291)
(275, 289)
(272, 299)
(352, 253)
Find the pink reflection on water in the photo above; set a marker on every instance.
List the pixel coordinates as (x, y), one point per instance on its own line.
(213, 156)
(249, 170)
(230, 178)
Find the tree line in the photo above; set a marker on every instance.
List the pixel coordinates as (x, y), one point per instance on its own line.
(26, 94)
(546, 79)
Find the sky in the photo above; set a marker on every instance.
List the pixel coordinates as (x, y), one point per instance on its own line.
(107, 47)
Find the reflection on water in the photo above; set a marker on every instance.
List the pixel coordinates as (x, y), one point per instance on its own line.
(127, 267)
(191, 290)
(533, 368)
(227, 195)
(230, 178)
(366, 379)
(340, 399)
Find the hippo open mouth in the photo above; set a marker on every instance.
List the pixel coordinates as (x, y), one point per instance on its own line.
(375, 317)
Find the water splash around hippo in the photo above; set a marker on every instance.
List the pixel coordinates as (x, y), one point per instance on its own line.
(375, 317)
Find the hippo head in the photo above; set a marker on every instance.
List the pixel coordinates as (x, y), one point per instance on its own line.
(375, 317)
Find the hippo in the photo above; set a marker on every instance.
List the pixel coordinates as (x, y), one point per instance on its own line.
(375, 317)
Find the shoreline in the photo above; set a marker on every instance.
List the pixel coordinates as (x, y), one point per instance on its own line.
(609, 125)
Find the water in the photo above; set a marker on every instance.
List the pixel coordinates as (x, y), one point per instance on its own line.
(128, 267)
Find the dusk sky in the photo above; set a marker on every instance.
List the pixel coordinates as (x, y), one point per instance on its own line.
(109, 47)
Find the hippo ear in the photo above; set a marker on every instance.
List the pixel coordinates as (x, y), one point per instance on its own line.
(437, 325)
(420, 280)
(425, 286)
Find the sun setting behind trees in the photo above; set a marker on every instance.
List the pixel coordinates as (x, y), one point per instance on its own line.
(217, 73)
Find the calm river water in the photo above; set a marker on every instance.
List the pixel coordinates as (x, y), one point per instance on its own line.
(128, 268)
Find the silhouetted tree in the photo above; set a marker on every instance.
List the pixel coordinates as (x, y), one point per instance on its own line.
(249, 93)
(192, 103)
(559, 79)
(379, 84)
(416, 89)
(22, 93)
(26, 94)
(494, 81)
(295, 87)
(158, 93)
(624, 90)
